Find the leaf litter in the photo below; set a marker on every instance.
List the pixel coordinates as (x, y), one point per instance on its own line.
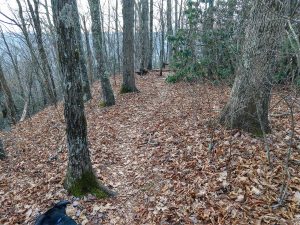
(165, 155)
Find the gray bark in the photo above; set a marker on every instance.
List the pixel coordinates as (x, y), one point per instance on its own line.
(128, 47)
(42, 52)
(86, 91)
(207, 30)
(2, 152)
(176, 16)
(150, 59)
(80, 178)
(117, 37)
(107, 92)
(8, 96)
(46, 81)
(89, 55)
(169, 28)
(144, 35)
(14, 61)
(162, 42)
(248, 106)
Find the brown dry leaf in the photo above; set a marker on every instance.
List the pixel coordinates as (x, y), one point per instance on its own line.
(152, 148)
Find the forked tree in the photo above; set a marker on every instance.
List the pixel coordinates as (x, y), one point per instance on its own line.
(248, 105)
(80, 178)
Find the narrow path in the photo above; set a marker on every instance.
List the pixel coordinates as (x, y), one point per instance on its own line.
(130, 176)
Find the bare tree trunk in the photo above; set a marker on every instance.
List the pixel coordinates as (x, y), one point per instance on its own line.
(248, 106)
(150, 59)
(169, 28)
(117, 37)
(89, 54)
(207, 30)
(176, 16)
(144, 36)
(23, 27)
(128, 47)
(107, 92)
(181, 13)
(86, 90)
(105, 56)
(80, 178)
(54, 43)
(14, 61)
(162, 42)
(43, 56)
(8, 96)
(2, 152)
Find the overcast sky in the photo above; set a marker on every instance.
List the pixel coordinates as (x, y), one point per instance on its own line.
(8, 7)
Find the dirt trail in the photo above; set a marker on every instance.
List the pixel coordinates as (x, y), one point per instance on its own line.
(132, 173)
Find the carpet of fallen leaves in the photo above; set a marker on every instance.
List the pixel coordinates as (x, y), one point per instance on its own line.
(165, 155)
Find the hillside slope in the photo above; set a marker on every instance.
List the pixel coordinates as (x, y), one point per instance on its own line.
(164, 153)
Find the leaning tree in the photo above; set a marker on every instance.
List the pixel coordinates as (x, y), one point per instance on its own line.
(248, 106)
(80, 178)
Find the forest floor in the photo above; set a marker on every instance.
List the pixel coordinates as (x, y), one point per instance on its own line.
(165, 155)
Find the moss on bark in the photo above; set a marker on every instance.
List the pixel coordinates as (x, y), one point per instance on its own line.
(88, 184)
(126, 89)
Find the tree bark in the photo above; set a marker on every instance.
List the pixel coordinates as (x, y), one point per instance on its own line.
(144, 36)
(2, 152)
(150, 59)
(80, 178)
(248, 106)
(176, 16)
(117, 37)
(208, 27)
(42, 52)
(23, 27)
(14, 61)
(162, 41)
(128, 47)
(86, 90)
(169, 28)
(107, 92)
(89, 54)
(8, 96)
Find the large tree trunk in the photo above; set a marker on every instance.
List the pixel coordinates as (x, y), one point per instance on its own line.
(80, 178)
(128, 47)
(107, 92)
(248, 106)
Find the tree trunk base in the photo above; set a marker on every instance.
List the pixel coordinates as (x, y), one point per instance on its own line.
(244, 121)
(126, 89)
(87, 184)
